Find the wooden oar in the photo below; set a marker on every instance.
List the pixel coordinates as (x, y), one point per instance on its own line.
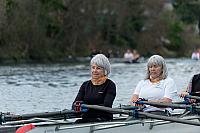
(64, 114)
(141, 114)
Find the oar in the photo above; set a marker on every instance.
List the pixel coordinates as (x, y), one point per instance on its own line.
(64, 113)
(193, 93)
(192, 97)
(141, 114)
(181, 102)
(171, 105)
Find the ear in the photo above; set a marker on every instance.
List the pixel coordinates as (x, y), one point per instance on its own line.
(106, 72)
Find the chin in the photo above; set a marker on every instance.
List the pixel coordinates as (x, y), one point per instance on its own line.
(95, 77)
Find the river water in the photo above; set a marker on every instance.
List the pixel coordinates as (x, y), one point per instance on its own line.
(51, 87)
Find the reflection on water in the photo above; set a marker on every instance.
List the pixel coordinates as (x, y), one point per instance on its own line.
(40, 88)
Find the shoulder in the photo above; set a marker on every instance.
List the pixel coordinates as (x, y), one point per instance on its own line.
(196, 76)
(144, 81)
(110, 82)
(169, 79)
(85, 83)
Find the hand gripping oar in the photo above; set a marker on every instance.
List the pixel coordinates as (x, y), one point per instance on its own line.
(64, 113)
(192, 97)
(140, 114)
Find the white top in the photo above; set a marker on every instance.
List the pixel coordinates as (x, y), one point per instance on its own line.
(195, 56)
(155, 91)
(128, 57)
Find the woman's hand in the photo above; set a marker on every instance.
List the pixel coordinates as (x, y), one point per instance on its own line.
(183, 94)
(136, 100)
(192, 100)
(77, 106)
(133, 100)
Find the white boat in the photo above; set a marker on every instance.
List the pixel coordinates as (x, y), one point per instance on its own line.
(122, 125)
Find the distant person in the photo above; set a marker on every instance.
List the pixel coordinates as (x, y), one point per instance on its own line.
(195, 55)
(193, 88)
(93, 53)
(136, 56)
(128, 56)
(109, 54)
(99, 90)
(157, 85)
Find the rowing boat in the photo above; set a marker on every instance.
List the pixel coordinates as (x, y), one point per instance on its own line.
(141, 126)
(126, 125)
(125, 121)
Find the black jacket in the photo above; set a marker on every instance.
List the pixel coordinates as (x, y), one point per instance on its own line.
(103, 95)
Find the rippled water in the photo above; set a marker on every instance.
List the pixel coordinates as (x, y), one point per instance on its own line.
(53, 87)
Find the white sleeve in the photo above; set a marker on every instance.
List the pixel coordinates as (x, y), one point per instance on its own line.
(170, 89)
(138, 88)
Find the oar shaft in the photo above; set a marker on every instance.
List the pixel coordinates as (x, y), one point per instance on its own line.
(192, 108)
(165, 105)
(173, 119)
(142, 114)
(38, 115)
(107, 109)
(193, 97)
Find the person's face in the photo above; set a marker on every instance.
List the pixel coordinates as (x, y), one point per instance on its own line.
(96, 71)
(155, 71)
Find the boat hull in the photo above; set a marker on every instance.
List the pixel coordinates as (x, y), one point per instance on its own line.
(140, 126)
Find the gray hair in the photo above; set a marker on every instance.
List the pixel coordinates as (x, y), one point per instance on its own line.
(101, 61)
(158, 61)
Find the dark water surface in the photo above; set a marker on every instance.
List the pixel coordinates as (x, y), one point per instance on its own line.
(53, 87)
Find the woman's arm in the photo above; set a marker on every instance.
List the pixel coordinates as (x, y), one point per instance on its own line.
(80, 95)
(110, 95)
(163, 100)
(188, 90)
(170, 91)
(134, 98)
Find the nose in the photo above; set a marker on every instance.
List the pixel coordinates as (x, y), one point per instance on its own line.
(94, 69)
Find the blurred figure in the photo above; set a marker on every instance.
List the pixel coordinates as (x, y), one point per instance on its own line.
(128, 56)
(93, 53)
(109, 54)
(136, 56)
(195, 55)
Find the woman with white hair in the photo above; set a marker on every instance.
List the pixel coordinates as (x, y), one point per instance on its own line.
(99, 90)
(157, 86)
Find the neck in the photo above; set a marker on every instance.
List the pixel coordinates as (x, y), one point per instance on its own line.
(155, 80)
(99, 81)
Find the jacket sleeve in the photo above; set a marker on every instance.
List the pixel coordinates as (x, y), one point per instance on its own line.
(110, 95)
(80, 95)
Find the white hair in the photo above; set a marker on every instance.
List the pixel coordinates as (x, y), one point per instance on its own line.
(101, 61)
(158, 61)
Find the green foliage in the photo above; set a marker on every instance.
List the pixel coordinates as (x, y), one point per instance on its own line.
(174, 35)
(54, 5)
(51, 29)
(10, 6)
(188, 10)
